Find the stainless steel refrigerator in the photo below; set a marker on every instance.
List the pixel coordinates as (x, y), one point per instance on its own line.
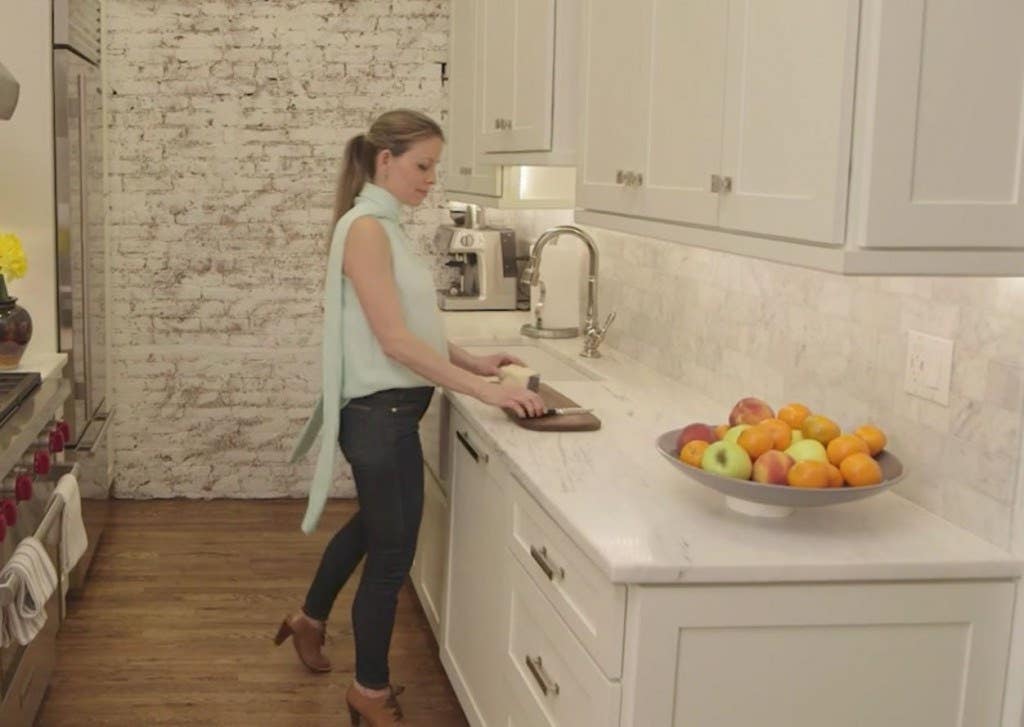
(81, 253)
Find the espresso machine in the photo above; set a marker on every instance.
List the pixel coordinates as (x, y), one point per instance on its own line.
(486, 268)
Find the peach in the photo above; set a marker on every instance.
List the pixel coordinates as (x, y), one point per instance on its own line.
(750, 410)
(772, 467)
(695, 432)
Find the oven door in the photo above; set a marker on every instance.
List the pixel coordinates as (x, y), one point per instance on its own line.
(25, 670)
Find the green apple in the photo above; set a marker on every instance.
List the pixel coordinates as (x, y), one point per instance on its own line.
(795, 436)
(732, 434)
(806, 449)
(728, 459)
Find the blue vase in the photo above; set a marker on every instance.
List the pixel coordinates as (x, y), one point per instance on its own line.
(15, 329)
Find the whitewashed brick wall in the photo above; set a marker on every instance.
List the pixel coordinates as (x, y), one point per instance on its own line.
(227, 122)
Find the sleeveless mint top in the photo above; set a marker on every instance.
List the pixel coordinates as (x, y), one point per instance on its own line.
(353, 362)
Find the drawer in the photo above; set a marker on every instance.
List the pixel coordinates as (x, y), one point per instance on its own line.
(593, 607)
(553, 680)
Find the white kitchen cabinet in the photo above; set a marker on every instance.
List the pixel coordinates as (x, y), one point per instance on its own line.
(527, 85)
(429, 567)
(465, 172)
(475, 624)
(855, 136)
(929, 654)
(757, 94)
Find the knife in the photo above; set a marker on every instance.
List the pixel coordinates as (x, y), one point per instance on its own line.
(566, 410)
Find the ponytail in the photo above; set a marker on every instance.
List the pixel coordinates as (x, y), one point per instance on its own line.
(393, 130)
(355, 170)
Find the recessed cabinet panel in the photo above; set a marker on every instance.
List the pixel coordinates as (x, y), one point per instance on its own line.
(616, 42)
(945, 138)
(687, 86)
(518, 75)
(464, 174)
(788, 117)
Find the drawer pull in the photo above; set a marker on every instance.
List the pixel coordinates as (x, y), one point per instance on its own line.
(464, 439)
(546, 683)
(550, 569)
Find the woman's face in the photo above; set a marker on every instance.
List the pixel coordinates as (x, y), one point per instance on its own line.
(409, 177)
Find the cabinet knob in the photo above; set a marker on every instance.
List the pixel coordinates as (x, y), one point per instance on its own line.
(497, 123)
(545, 682)
(620, 177)
(720, 184)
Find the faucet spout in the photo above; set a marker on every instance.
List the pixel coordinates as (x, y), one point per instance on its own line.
(593, 334)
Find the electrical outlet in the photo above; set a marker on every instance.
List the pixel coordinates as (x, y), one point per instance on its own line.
(929, 367)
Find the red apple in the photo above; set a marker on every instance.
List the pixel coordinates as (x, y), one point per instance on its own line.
(695, 432)
(750, 410)
(771, 467)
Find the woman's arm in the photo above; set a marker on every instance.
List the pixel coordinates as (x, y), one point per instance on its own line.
(367, 263)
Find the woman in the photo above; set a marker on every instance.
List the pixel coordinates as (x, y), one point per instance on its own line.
(384, 351)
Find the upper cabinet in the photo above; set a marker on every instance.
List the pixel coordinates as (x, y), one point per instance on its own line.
(464, 172)
(858, 136)
(527, 81)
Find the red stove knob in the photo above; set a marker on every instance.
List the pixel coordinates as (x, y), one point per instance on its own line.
(65, 430)
(23, 487)
(41, 462)
(56, 440)
(10, 512)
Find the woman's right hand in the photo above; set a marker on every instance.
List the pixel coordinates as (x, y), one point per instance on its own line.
(522, 402)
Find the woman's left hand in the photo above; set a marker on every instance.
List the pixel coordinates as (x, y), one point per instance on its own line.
(489, 365)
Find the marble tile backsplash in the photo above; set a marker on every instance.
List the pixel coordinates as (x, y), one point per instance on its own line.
(734, 326)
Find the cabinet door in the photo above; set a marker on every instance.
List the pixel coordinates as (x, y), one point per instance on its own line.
(805, 655)
(518, 75)
(943, 113)
(788, 117)
(684, 143)
(475, 630)
(464, 174)
(615, 43)
(429, 570)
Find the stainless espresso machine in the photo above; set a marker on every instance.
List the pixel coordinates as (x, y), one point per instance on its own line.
(485, 260)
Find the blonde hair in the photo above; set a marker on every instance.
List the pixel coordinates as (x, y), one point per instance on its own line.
(393, 130)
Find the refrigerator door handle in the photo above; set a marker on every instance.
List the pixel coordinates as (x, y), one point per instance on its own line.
(83, 156)
(87, 444)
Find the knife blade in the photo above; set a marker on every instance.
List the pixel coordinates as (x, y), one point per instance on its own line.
(566, 410)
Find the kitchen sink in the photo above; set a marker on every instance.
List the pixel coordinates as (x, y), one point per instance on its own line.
(550, 366)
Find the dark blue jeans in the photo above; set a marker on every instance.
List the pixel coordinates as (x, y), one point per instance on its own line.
(380, 438)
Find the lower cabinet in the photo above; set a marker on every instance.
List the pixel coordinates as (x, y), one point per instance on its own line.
(804, 655)
(475, 620)
(534, 635)
(430, 566)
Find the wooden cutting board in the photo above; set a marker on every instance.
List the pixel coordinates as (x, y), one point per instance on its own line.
(556, 422)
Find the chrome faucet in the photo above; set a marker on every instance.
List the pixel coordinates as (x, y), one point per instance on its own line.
(593, 334)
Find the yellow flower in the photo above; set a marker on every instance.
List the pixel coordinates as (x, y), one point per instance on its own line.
(12, 258)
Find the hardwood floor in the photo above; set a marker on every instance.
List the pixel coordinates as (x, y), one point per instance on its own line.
(176, 623)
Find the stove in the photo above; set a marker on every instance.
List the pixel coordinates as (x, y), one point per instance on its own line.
(14, 388)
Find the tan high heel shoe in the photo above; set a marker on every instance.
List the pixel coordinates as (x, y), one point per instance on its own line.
(308, 638)
(377, 711)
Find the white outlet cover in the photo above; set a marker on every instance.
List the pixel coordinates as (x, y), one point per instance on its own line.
(929, 369)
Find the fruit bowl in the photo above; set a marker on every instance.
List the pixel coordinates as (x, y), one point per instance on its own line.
(755, 498)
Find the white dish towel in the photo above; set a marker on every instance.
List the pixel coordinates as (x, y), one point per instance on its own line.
(73, 540)
(31, 579)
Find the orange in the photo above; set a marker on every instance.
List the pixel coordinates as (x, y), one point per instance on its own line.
(757, 440)
(808, 473)
(821, 428)
(835, 477)
(860, 470)
(794, 414)
(692, 452)
(843, 446)
(873, 436)
(782, 435)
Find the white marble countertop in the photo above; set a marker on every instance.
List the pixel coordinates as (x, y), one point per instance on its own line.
(642, 521)
(47, 364)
